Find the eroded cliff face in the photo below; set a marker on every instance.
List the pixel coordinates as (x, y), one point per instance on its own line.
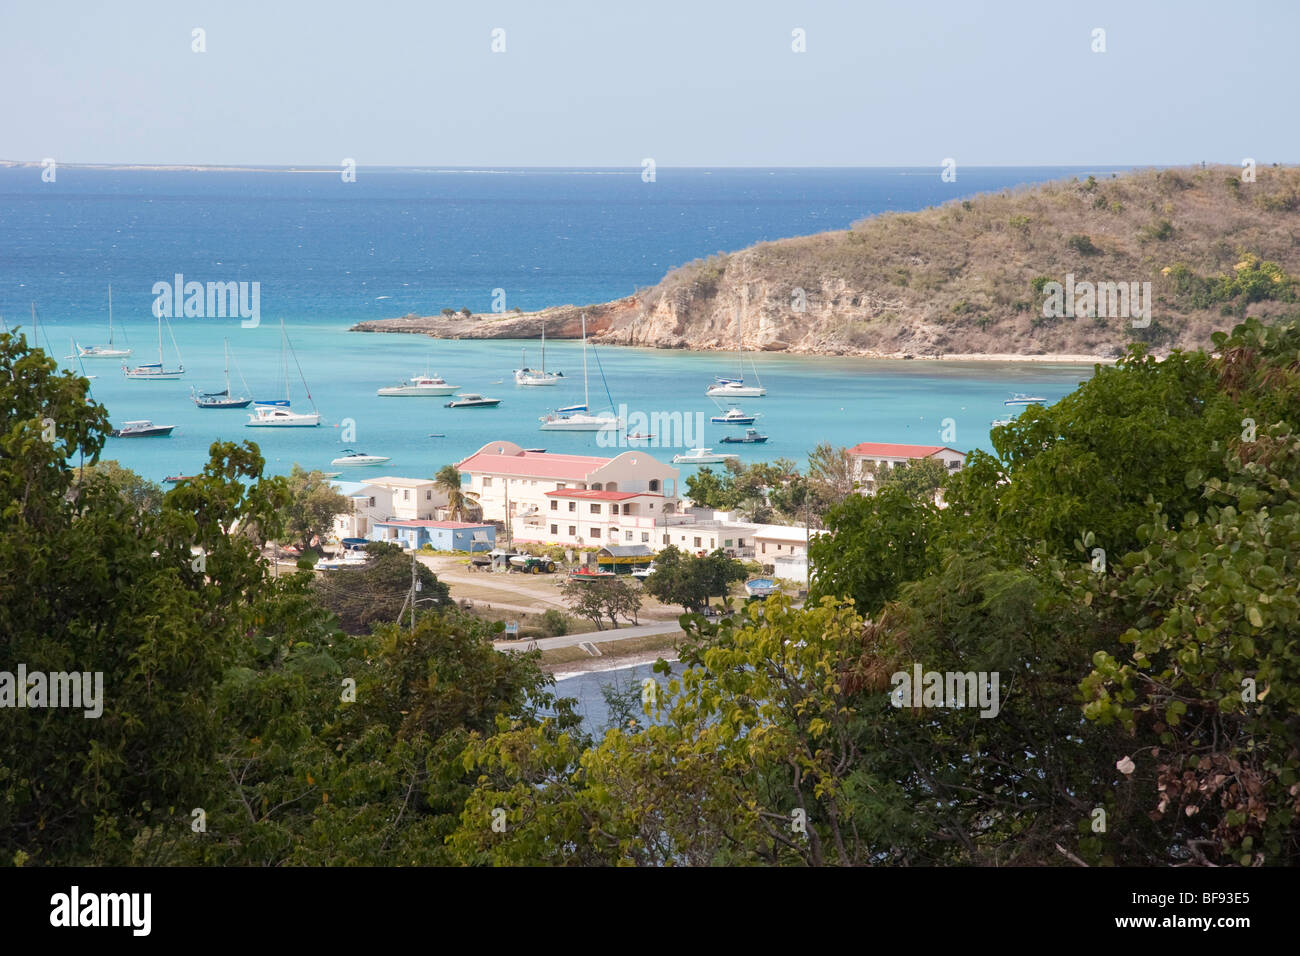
(969, 277)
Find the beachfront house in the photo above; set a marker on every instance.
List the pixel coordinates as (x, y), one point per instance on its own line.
(870, 458)
(386, 499)
(782, 550)
(573, 500)
(467, 536)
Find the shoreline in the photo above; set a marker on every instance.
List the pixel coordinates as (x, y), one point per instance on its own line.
(521, 328)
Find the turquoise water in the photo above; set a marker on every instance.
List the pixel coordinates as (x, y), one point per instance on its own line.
(328, 254)
(840, 400)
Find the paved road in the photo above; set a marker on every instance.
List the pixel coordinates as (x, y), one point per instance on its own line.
(596, 637)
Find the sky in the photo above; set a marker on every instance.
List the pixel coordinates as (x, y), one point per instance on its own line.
(699, 83)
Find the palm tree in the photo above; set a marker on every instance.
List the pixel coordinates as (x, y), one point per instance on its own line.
(460, 503)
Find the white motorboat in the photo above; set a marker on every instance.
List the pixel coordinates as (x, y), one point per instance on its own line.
(279, 413)
(473, 400)
(733, 416)
(431, 385)
(142, 429)
(532, 376)
(1020, 398)
(702, 456)
(999, 422)
(579, 418)
(109, 350)
(156, 371)
(359, 458)
(643, 573)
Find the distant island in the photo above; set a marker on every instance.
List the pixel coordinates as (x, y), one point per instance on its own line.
(1040, 272)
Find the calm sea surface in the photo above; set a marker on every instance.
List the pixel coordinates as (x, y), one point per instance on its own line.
(328, 254)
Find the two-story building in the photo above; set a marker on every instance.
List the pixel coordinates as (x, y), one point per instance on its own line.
(386, 499)
(869, 458)
(572, 500)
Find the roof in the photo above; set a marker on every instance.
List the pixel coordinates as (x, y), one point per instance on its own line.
(628, 550)
(351, 489)
(453, 525)
(887, 450)
(600, 495)
(400, 482)
(781, 532)
(532, 464)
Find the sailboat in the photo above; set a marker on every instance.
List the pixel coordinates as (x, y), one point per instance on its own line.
(156, 371)
(278, 412)
(80, 364)
(578, 418)
(736, 387)
(109, 350)
(223, 398)
(531, 376)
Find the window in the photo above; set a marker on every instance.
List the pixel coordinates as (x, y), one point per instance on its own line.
(654, 484)
(627, 535)
(645, 537)
(428, 496)
(372, 502)
(697, 542)
(652, 506)
(573, 530)
(765, 547)
(406, 494)
(613, 509)
(726, 543)
(740, 542)
(555, 505)
(665, 539)
(555, 529)
(487, 482)
(597, 486)
(595, 508)
(573, 506)
(595, 532)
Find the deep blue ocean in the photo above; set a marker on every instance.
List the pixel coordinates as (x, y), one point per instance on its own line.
(328, 254)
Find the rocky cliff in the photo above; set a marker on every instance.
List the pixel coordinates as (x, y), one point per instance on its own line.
(1212, 244)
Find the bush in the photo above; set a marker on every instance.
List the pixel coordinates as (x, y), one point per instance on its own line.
(555, 623)
(1159, 231)
(1082, 245)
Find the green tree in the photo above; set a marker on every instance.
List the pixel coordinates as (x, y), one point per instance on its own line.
(690, 581)
(150, 607)
(143, 494)
(462, 505)
(378, 591)
(313, 505)
(707, 489)
(920, 478)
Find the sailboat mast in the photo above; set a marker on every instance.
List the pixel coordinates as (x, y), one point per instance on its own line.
(110, 314)
(585, 399)
(227, 368)
(543, 350)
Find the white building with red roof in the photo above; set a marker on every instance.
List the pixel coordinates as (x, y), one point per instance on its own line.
(870, 457)
(573, 500)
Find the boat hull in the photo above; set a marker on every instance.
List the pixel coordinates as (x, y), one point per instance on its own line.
(581, 423)
(411, 391)
(739, 391)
